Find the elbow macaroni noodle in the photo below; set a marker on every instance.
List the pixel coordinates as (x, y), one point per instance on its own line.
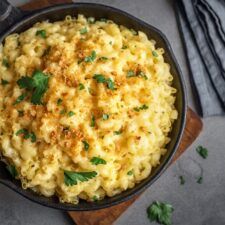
(140, 110)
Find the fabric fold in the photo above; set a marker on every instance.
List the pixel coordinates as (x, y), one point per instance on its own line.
(202, 30)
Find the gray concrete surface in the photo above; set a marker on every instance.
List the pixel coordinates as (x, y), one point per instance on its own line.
(194, 204)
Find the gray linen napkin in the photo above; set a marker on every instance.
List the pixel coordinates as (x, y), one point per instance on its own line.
(202, 25)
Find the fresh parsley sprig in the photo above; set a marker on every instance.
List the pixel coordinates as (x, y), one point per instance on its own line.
(160, 212)
(12, 170)
(72, 178)
(37, 84)
(203, 152)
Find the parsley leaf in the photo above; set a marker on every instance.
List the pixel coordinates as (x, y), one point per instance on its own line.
(4, 82)
(142, 74)
(86, 145)
(95, 198)
(71, 113)
(103, 20)
(90, 58)
(103, 58)
(12, 170)
(130, 73)
(203, 152)
(118, 132)
(83, 30)
(110, 84)
(81, 86)
(38, 84)
(41, 33)
(92, 121)
(155, 54)
(99, 78)
(26, 134)
(97, 161)
(105, 116)
(182, 180)
(143, 107)
(71, 178)
(59, 101)
(91, 20)
(160, 212)
(131, 172)
(5, 63)
(33, 137)
(199, 181)
(124, 47)
(62, 112)
(20, 99)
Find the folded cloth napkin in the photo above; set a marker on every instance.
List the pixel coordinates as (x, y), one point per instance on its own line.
(202, 25)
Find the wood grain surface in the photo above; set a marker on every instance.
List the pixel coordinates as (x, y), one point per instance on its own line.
(109, 215)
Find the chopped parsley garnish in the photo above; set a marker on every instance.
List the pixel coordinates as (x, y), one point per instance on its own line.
(71, 178)
(12, 170)
(4, 82)
(71, 113)
(26, 134)
(118, 132)
(41, 33)
(81, 86)
(143, 107)
(142, 74)
(5, 63)
(124, 47)
(103, 58)
(182, 180)
(20, 99)
(101, 79)
(134, 32)
(160, 212)
(95, 198)
(200, 179)
(91, 20)
(97, 161)
(21, 113)
(33, 137)
(37, 84)
(110, 42)
(105, 116)
(83, 30)
(62, 112)
(86, 145)
(203, 152)
(131, 73)
(92, 121)
(110, 84)
(103, 20)
(90, 58)
(155, 54)
(130, 173)
(59, 101)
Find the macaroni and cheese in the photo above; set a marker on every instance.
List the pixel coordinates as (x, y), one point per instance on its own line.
(86, 107)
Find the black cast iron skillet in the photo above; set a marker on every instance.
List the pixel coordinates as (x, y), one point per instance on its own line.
(14, 20)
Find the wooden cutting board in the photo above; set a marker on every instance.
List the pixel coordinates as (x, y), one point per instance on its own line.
(109, 215)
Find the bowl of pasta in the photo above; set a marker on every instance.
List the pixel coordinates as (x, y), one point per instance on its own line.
(92, 105)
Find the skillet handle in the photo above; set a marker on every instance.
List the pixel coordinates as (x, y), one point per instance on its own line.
(8, 15)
